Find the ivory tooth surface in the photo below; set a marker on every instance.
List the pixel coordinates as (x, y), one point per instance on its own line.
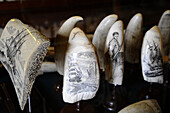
(145, 106)
(151, 56)
(100, 35)
(62, 40)
(164, 26)
(22, 50)
(81, 72)
(114, 54)
(133, 39)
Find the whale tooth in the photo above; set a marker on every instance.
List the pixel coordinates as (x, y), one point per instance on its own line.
(62, 40)
(81, 72)
(100, 35)
(23, 49)
(114, 54)
(145, 106)
(133, 39)
(164, 26)
(151, 56)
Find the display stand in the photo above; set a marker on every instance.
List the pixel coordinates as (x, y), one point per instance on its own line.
(110, 104)
(165, 84)
(79, 107)
(59, 86)
(29, 104)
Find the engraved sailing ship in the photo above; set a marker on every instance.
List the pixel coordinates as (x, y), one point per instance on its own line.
(79, 72)
(153, 60)
(22, 50)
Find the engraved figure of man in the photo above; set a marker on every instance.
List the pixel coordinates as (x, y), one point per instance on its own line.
(116, 57)
(114, 46)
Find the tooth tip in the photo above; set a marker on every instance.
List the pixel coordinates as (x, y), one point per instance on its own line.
(78, 17)
(113, 16)
(75, 29)
(139, 14)
(119, 22)
(154, 28)
(167, 11)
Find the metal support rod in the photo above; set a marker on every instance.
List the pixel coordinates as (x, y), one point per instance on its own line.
(29, 104)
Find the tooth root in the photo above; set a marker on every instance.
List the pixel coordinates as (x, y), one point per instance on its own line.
(151, 56)
(62, 40)
(23, 49)
(100, 35)
(145, 106)
(164, 26)
(81, 72)
(114, 54)
(133, 39)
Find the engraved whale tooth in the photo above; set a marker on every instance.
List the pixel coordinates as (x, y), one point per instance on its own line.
(164, 26)
(133, 39)
(100, 35)
(114, 54)
(151, 56)
(62, 40)
(145, 106)
(23, 49)
(81, 72)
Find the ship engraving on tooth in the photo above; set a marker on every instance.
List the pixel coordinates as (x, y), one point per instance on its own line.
(152, 60)
(22, 50)
(151, 56)
(81, 75)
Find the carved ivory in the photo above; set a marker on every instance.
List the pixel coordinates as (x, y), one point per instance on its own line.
(151, 56)
(164, 26)
(145, 106)
(22, 50)
(81, 72)
(133, 39)
(100, 35)
(114, 54)
(62, 40)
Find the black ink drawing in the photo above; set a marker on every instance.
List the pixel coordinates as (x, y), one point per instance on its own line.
(76, 34)
(82, 73)
(10, 55)
(116, 56)
(75, 73)
(152, 61)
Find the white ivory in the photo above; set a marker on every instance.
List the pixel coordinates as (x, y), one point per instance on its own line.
(22, 50)
(81, 72)
(62, 40)
(133, 39)
(145, 106)
(164, 26)
(151, 56)
(114, 54)
(100, 35)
